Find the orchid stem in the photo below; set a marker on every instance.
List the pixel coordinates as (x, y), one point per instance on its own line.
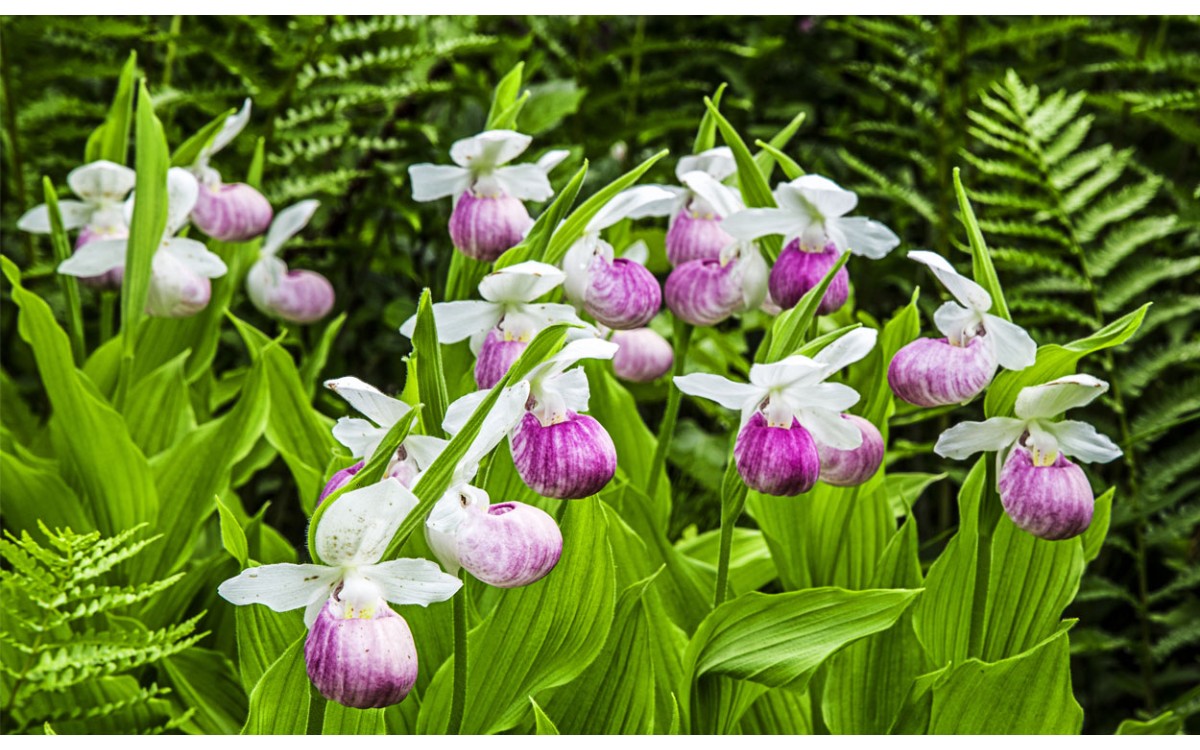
(727, 524)
(459, 696)
(666, 429)
(108, 302)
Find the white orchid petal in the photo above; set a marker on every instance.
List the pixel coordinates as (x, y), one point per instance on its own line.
(956, 322)
(721, 390)
(570, 387)
(1080, 440)
(828, 428)
(102, 182)
(359, 435)
(527, 182)
(717, 162)
(721, 199)
(424, 449)
(371, 402)
(360, 524)
(489, 149)
(865, 237)
(828, 199)
(847, 350)
(408, 581)
(967, 438)
(664, 206)
(504, 415)
(74, 215)
(523, 282)
(1015, 349)
(760, 222)
(433, 181)
(552, 159)
(837, 397)
(95, 258)
(638, 252)
(626, 204)
(964, 290)
(795, 369)
(459, 320)
(281, 587)
(234, 124)
(287, 223)
(1056, 397)
(182, 192)
(460, 411)
(193, 255)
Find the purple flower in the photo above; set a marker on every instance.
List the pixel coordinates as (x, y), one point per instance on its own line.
(361, 662)
(483, 227)
(340, 479)
(570, 457)
(1053, 501)
(797, 271)
(849, 468)
(706, 292)
(295, 296)
(643, 355)
(496, 356)
(233, 212)
(776, 459)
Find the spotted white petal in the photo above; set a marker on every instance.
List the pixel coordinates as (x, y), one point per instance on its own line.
(721, 199)
(717, 162)
(433, 181)
(627, 203)
(489, 149)
(1015, 349)
(95, 258)
(1080, 440)
(287, 223)
(74, 215)
(459, 320)
(357, 528)
(966, 438)
(101, 182)
(281, 587)
(371, 402)
(409, 581)
(967, 292)
(527, 182)
(863, 236)
(1057, 396)
(194, 256)
(828, 428)
(359, 435)
(721, 390)
(523, 282)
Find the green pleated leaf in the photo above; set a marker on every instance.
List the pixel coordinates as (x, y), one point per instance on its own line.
(34, 491)
(1026, 694)
(279, 703)
(205, 680)
(791, 328)
(541, 720)
(537, 636)
(505, 105)
(981, 261)
(756, 192)
(706, 133)
(263, 635)
(1165, 723)
(431, 378)
(340, 719)
(160, 413)
(233, 536)
(110, 141)
(537, 243)
(773, 150)
(188, 151)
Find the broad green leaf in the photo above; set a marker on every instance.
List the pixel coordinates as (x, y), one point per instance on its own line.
(188, 151)
(576, 224)
(314, 363)
(536, 637)
(34, 491)
(779, 711)
(161, 411)
(340, 719)
(1025, 694)
(756, 192)
(791, 328)
(205, 680)
(537, 243)
(147, 225)
(548, 103)
(1093, 538)
(791, 169)
(706, 134)
(110, 141)
(615, 694)
(279, 703)
(981, 261)
(1054, 361)
(541, 720)
(504, 98)
(262, 637)
(766, 158)
(1165, 723)
(111, 476)
(233, 536)
(69, 284)
(431, 378)
(903, 490)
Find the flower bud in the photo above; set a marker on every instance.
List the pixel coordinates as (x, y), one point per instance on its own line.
(496, 356)
(570, 459)
(509, 544)
(232, 212)
(483, 227)
(644, 355)
(175, 290)
(776, 460)
(693, 236)
(1052, 501)
(298, 296)
(797, 271)
(848, 468)
(109, 280)
(934, 372)
(621, 293)
(340, 479)
(704, 292)
(361, 659)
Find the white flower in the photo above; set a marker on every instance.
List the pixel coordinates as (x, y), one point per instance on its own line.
(795, 387)
(102, 185)
(479, 159)
(363, 437)
(234, 124)
(508, 296)
(351, 537)
(959, 323)
(702, 176)
(177, 261)
(812, 210)
(1037, 407)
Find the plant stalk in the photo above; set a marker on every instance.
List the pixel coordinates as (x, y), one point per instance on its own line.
(666, 429)
(458, 697)
(728, 521)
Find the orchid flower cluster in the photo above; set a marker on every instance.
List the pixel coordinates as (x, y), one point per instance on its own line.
(183, 268)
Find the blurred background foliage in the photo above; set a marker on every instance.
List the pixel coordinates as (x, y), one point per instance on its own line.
(1078, 139)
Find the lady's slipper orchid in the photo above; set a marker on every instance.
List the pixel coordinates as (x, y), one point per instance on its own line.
(233, 212)
(182, 267)
(359, 652)
(619, 293)
(811, 218)
(295, 296)
(783, 397)
(103, 186)
(489, 216)
(503, 324)
(697, 210)
(937, 372)
(1042, 492)
(849, 468)
(643, 356)
(706, 292)
(558, 451)
(362, 437)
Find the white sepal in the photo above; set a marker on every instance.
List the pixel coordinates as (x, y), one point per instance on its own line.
(863, 236)
(1015, 349)
(720, 390)
(357, 528)
(369, 401)
(719, 198)
(359, 435)
(717, 162)
(828, 428)
(626, 203)
(523, 282)
(1056, 397)
(281, 587)
(753, 223)
(101, 182)
(552, 159)
(95, 258)
(1080, 440)
(458, 320)
(410, 581)
(489, 149)
(193, 255)
(527, 182)
(846, 350)
(287, 223)
(967, 292)
(433, 181)
(234, 124)
(966, 438)
(182, 192)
